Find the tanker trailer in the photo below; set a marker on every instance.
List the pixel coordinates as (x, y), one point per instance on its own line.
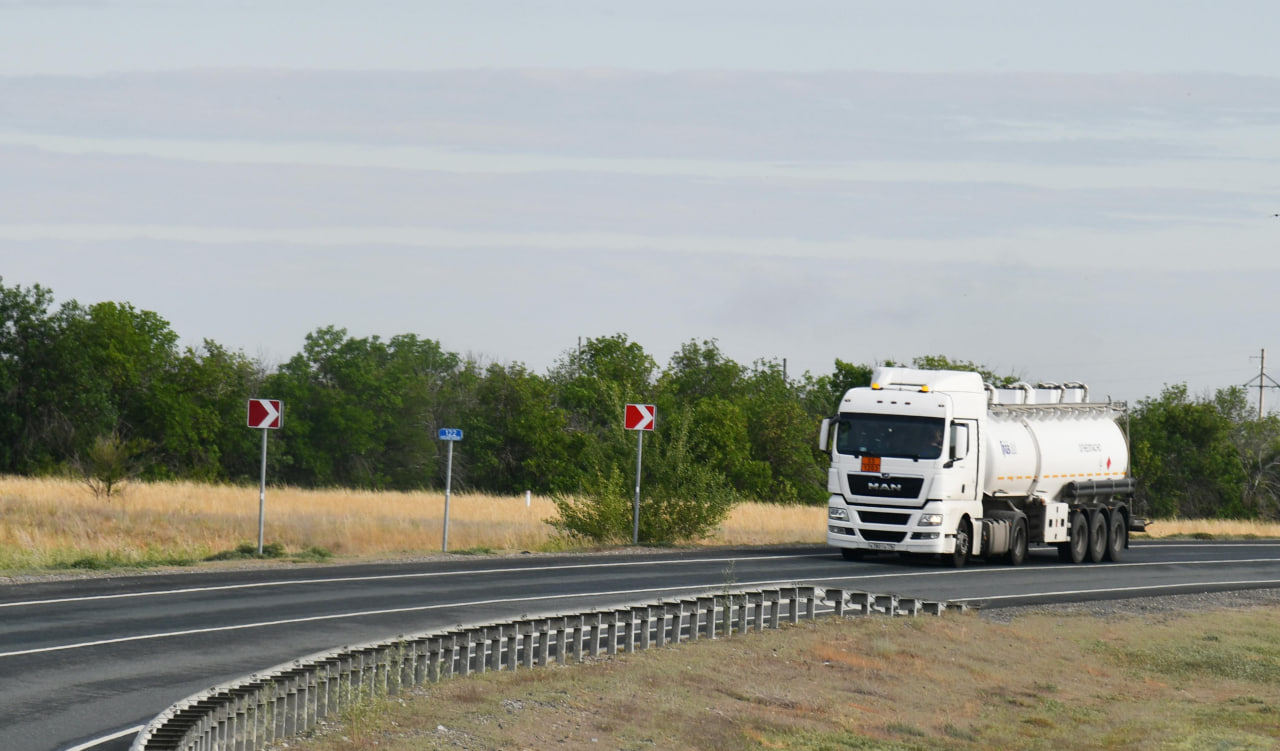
(939, 463)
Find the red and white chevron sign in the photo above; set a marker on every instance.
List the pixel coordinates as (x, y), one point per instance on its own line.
(640, 416)
(266, 413)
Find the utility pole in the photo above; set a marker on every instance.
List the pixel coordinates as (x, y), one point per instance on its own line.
(1263, 380)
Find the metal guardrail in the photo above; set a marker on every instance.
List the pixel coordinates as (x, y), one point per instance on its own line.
(292, 698)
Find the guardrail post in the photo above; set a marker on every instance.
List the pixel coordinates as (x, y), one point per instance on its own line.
(297, 701)
(278, 708)
(217, 715)
(432, 656)
(524, 630)
(368, 668)
(790, 595)
(513, 646)
(466, 650)
(235, 724)
(836, 598)
(771, 601)
(562, 639)
(480, 649)
(810, 597)
(289, 687)
(449, 652)
(408, 662)
(628, 630)
(421, 661)
(645, 614)
(755, 606)
(707, 606)
(611, 632)
(394, 656)
(594, 622)
(678, 620)
(312, 712)
(261, 712)
(493, 637)
(587, 634)
(543, 648)
(379, 670)
(886, 604)
(662, 610)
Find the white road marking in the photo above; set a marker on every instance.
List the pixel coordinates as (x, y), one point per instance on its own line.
(106, 739)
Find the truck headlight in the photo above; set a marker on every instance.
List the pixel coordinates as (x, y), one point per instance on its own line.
(930, 520)
(838, 514)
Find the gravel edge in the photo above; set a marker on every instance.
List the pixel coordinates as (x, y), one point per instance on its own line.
(1163, 605)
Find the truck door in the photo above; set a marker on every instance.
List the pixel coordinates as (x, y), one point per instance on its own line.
(964, 456)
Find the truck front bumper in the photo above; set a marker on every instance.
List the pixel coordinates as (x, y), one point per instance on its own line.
(933, 541)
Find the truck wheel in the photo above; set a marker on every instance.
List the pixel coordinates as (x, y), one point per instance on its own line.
(1077, 545)
(1018, 544)
(1097, 536)
(852, 554)
(1117, 530)
(964, 541)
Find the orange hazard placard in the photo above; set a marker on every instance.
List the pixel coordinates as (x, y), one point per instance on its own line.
(870, 464)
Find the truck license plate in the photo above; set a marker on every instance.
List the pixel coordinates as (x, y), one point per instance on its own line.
(880, 546)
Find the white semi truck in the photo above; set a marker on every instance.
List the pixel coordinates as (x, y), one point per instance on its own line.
(937, 462)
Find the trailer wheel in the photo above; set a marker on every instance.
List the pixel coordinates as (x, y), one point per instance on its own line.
(1116, 532)
(852, 554)
(1077, 546)
(1018, 544)
(1097, 536)
(964, 541)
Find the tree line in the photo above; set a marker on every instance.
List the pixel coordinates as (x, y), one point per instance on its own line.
(107, 382)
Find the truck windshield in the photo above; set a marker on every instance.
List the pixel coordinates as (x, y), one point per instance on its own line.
(861, 434)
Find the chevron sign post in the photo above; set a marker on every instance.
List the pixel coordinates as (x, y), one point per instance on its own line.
(264, 415)
(640, 418)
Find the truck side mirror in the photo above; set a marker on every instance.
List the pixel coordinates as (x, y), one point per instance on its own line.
(959, 442)
(824, 436)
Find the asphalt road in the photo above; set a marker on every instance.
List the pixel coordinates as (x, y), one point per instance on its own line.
(85, 660)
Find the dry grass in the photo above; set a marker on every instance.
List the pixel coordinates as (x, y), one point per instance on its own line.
(1162, 681)
(1216, 528)
(52, 523)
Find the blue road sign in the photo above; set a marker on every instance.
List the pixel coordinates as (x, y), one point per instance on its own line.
(451, 434)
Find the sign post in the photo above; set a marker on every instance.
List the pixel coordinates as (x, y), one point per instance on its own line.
(264, 414)
(450, 435)
(640, 418)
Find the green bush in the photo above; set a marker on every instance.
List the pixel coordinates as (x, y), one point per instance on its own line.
(681, 499)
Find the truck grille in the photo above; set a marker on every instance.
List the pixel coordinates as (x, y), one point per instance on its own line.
(881, 486)
(875, 535)
(881, 517)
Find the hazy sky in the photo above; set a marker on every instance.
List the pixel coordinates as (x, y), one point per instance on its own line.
(1068, 191)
